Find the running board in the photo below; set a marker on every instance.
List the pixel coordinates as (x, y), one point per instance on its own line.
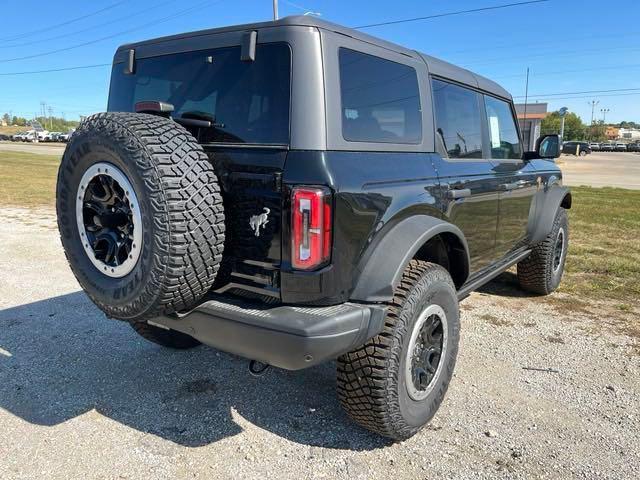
(476, 283)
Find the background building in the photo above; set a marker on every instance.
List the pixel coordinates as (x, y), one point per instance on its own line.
(629, 133)
(530, 126)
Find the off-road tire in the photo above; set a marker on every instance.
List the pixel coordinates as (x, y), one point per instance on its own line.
(163, 337)
(371, 383)
(536, 273)
(181, 213)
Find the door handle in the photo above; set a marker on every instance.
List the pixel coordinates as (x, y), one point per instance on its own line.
(514, 185)
(459, 193)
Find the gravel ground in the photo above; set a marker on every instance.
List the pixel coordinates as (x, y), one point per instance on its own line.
(43, 148)
(602, 169)
(84, 397)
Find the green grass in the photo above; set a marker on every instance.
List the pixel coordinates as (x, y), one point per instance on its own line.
(27, 180)
(604, 250)
(604, 245)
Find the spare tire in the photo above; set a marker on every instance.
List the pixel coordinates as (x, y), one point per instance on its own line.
(140, 215)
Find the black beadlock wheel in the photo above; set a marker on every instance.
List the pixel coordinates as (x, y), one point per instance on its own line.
(140, 215)
(394, 384)
(541, 272)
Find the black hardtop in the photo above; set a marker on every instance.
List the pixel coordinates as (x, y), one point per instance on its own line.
(436, 66)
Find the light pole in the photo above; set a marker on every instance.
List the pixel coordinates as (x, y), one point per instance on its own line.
(604, 112)
(275, 9)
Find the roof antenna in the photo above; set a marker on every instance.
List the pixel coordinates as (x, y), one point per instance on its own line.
(275, 9)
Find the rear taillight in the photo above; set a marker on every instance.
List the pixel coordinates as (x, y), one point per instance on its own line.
(310, 227)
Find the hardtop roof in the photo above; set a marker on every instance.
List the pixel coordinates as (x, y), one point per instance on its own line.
(436, 66)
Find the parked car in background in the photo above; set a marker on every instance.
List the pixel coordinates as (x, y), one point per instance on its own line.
(633, 147)
(595, 147)
(64, 137)
(607, 147)
(576, 148)
(51, 136)
(621, 147)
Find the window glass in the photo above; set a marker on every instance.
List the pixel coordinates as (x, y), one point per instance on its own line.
(458, 120)
(503, 135)
(248, 100)
(380, 99)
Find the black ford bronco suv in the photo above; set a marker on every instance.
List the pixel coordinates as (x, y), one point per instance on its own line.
(295, 192)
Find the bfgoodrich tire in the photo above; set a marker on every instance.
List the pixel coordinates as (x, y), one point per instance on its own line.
(541, 272)
(140, 215)
(394, 384)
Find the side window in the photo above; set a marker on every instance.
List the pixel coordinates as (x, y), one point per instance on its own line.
(503, 135)
(380, 100)
(458, 120)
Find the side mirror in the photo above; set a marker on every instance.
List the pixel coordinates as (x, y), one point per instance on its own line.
(548, 146)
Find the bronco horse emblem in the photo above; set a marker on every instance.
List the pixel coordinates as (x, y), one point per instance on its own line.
(257, 221)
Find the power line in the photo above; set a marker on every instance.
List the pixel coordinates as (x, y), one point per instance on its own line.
(580, 93)
(70, 34)
(77, 67)
(537, 99)
(91, 42)
(449, 14)
(73, 20)
(558, 72)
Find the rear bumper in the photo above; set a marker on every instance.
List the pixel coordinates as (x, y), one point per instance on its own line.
(288, 337)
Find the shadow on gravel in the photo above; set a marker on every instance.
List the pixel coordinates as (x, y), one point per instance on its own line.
(60, 358)
(506, 285)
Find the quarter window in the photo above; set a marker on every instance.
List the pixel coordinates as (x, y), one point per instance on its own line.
(380, 100)
(503, 135)
(458, 120)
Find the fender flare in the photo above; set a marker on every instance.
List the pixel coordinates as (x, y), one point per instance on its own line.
(547, 205)
(381, 271)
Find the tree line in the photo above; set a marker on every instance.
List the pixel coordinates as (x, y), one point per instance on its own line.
(576, 129)
(54, 124)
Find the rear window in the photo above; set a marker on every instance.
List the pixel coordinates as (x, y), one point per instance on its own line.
(249, 100)
(458, 120)
(380, 100)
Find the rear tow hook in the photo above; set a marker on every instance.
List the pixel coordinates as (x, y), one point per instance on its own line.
(258, 369)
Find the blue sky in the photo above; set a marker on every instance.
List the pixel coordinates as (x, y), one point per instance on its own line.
(569, 45)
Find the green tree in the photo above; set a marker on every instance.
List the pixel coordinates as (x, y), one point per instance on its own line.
(574, 129)
(6, 118)
(597, 132)
(19, 121)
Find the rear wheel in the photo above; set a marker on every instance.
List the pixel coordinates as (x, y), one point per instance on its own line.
(394, 384)
(140, 215)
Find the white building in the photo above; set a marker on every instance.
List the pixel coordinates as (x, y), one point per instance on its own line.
(629, 133)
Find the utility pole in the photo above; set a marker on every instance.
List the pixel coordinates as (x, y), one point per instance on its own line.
(604, 112)
(275, 9)
(593, 104)
(524, 116)
(50, 118)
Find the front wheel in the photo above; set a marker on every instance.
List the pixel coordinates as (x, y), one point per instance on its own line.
(394, 384)
(542, 271)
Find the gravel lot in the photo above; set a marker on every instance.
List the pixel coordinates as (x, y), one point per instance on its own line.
(84, 397)
(602, 169)
(44, 148)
